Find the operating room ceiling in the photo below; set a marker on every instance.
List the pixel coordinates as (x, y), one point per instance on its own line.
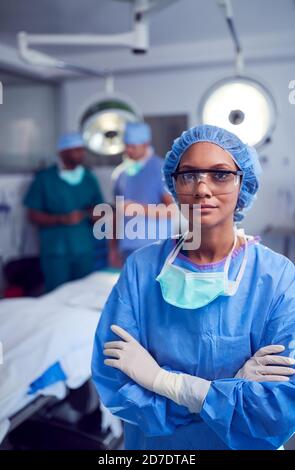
(184, 21)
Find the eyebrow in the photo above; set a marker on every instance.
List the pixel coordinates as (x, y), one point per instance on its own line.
(224, 166)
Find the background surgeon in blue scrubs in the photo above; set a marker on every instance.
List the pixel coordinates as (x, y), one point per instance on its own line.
(139, 180)
(195, 349)
(60, 202)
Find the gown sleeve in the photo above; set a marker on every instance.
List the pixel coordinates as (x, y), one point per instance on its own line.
(154, 414)
(259, 415)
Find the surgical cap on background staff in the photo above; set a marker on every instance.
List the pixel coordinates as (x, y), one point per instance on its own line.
(60, 202)
(195, 348)
(139, 179)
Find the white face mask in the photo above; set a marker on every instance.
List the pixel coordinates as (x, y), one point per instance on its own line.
(187, 289)
(132, 167)
(72, 177)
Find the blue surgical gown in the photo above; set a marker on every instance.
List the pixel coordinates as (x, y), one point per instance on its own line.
(212, 342)
(135, 188)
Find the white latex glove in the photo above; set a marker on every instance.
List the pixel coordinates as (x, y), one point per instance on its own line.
(184, 389)
(132, 359)
(264, 367)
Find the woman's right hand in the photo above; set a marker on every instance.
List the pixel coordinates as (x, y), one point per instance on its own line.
(265, 366)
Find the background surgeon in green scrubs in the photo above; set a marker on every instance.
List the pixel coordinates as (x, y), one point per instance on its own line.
(60, 201)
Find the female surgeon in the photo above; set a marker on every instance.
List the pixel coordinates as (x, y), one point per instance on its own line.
(194, 349)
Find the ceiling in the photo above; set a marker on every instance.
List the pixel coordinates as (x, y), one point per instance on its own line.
(184, 21)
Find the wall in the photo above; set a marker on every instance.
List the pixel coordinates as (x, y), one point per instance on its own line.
(17, 237)
(28, 129)
(28, 124)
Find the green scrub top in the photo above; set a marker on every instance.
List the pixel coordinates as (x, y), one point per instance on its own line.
(49, 193)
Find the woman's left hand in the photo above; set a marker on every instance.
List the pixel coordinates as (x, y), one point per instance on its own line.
(131, 358)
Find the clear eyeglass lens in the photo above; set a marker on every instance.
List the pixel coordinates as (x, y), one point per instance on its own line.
(218, 182)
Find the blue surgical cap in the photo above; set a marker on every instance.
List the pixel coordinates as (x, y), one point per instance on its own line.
(70, 140)
(243, 155)
(137, 133)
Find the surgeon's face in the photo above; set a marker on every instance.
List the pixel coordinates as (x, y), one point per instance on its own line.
(136, 152)
(73, 157)
(216, 206)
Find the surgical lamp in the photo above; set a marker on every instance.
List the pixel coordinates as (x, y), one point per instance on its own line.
(240, 104)
(103, 123)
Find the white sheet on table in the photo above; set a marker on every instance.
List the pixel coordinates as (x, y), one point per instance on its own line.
(65, 335)
(38, 336)
(90, 292)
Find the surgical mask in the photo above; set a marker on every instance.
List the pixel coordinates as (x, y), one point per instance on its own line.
(74, 176)
(132, 167)
(187, 289)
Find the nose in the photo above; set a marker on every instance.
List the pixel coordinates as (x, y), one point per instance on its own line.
(202, 190)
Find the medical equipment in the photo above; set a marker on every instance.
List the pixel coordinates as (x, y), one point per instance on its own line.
(137, 39)
(241, 104)
(103, 121)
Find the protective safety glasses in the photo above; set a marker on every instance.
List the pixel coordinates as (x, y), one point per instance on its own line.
(218, 181)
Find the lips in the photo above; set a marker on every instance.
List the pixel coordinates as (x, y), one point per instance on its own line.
(207, 206)
(202, 207)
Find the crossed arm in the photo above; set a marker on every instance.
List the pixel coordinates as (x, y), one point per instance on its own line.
(129, 356)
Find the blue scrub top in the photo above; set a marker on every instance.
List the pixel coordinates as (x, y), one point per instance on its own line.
(212, 342)
(49, 193)
(146, 187)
